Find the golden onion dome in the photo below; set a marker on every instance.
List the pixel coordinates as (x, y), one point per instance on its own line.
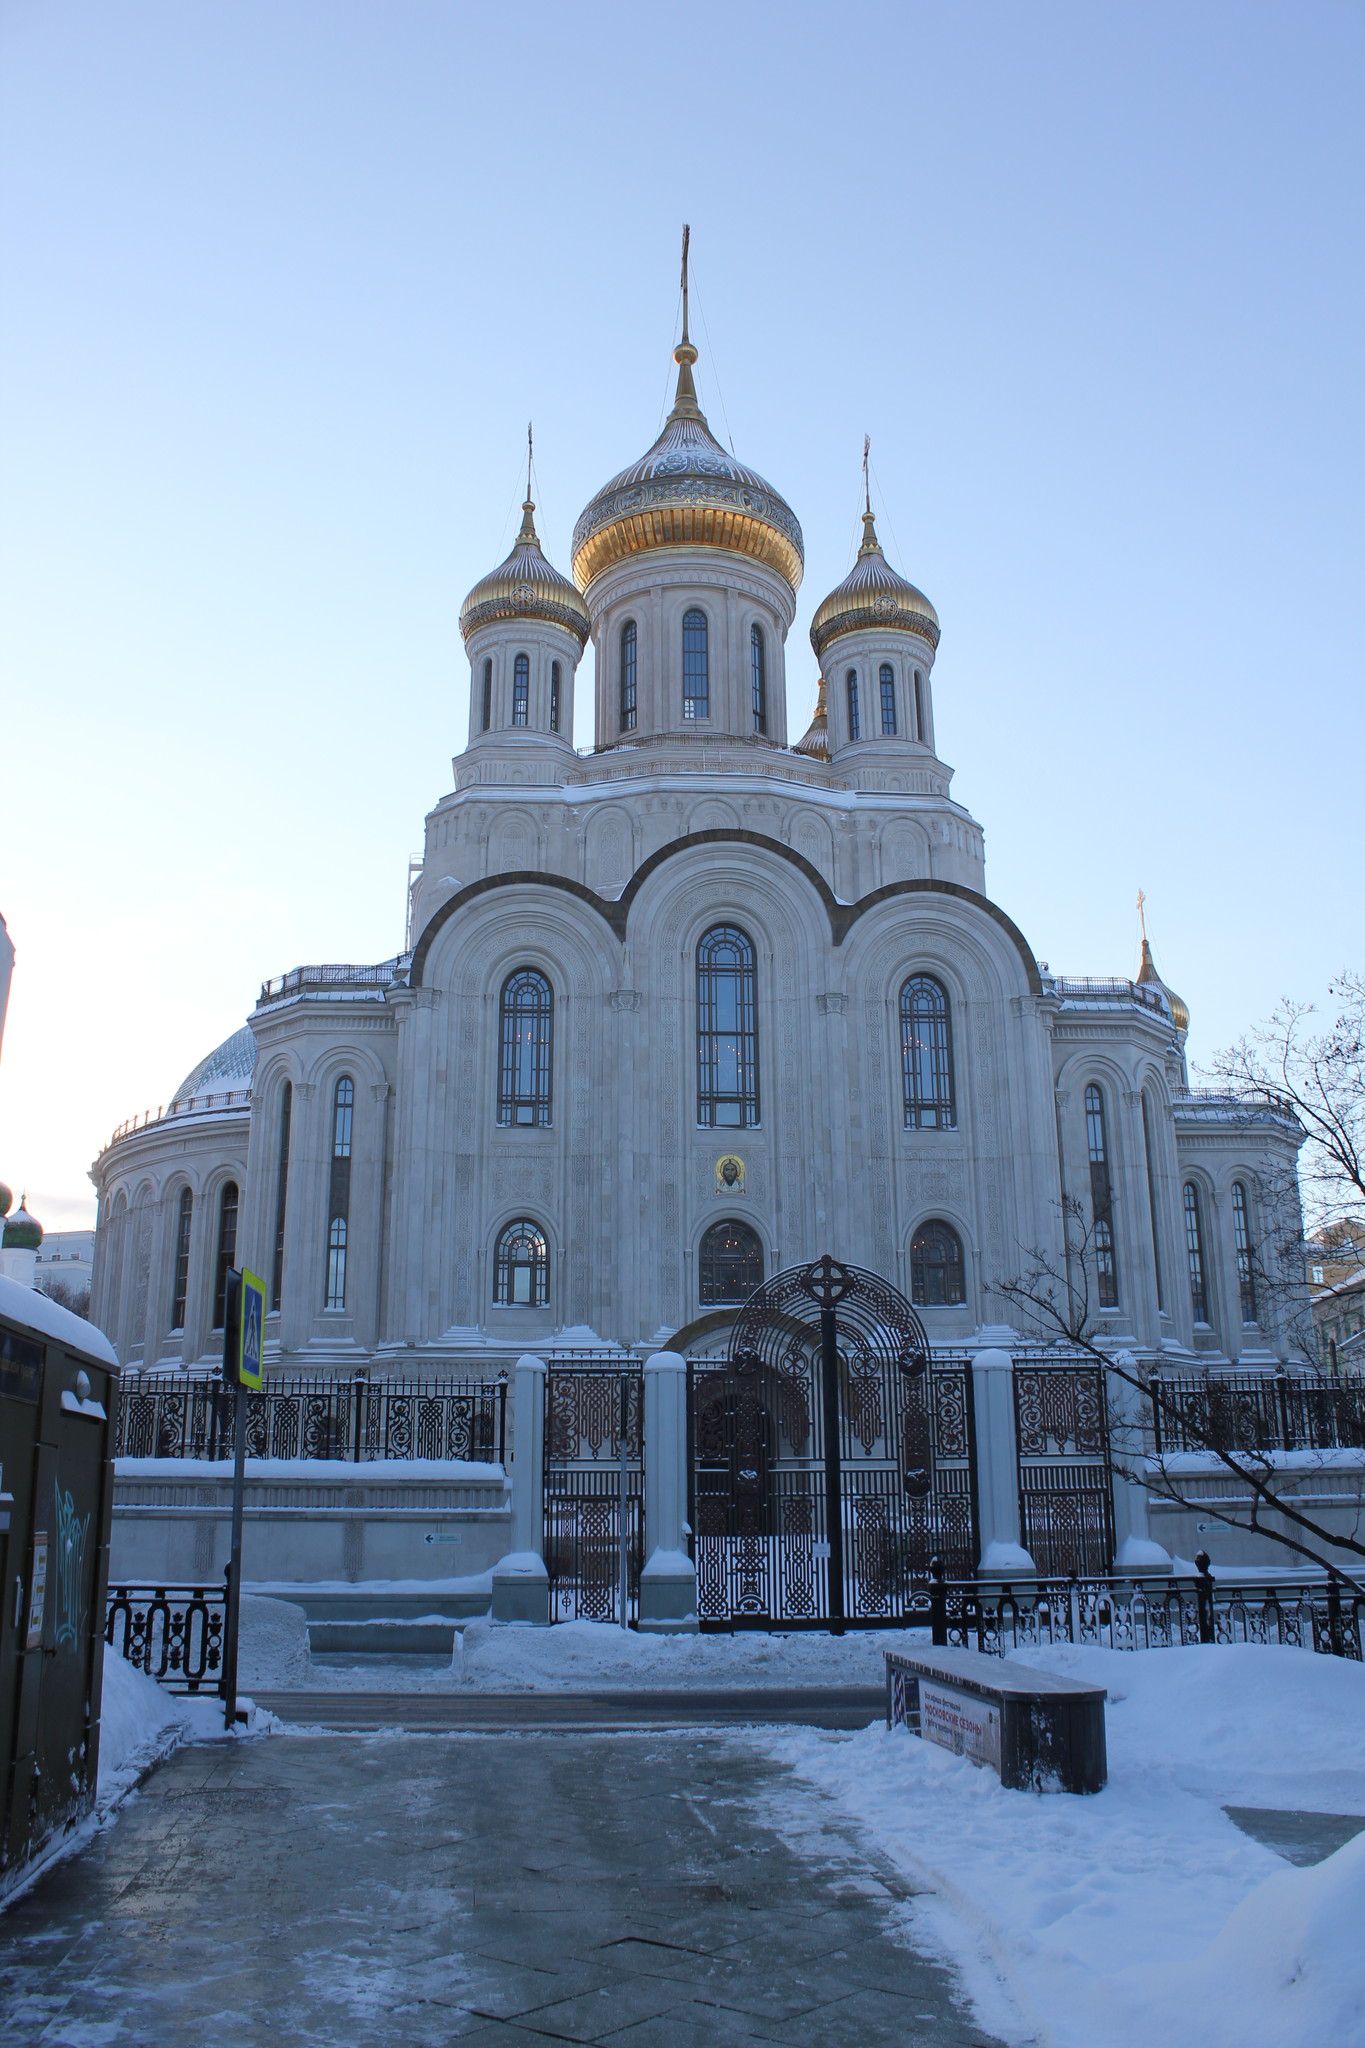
(526, 586)
(872, 594)
(815, 740)
(1149, 978)
(687, 492)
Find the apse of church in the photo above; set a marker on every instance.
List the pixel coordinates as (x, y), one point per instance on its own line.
(674, 1013)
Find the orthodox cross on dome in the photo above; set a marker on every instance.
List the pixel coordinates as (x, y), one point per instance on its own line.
(871, 545)
(685, 404)
(528, 524)
(1142, 913)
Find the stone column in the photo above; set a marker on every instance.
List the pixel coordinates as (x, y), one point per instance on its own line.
(521, 1584)
(668, 1584)
(997, 1472)
(1135, 1550)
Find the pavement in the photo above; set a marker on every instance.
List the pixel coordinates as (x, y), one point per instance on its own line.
(651, 1890)
(808, 1706)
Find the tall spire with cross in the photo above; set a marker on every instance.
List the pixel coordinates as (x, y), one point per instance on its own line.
(528, 524)
(871, 545)
(685, 406)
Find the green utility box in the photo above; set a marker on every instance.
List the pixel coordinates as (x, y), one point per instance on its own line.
(58, 1387)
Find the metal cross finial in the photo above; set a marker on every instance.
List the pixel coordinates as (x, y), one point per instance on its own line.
(1142, 910)
(687, 236)
(867, 489)
(530, 450)
(827, 1281)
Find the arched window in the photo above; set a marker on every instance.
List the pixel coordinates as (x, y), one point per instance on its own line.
(1241, 1235)
(555, 674)
(730, 1264)
(887, 680)
(1194, 1253)
(1101, 1199)
(696, 666)
(227, 1251)
(1151, 1200)
(920, 733)
(521, 690)
(628, 643)
(525, 1024)
(727, 1030)
(938, 1274)
(758, 677)
(281, 1191)
(339, 1192)
(855, 723)
(926, 1055)
(181, 1277)
(521, 1266)
(487, 694)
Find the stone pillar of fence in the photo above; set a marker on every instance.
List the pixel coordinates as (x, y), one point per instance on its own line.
(1135, 1549)
(668, 1583)
(1003, 1555)
(521, 1584)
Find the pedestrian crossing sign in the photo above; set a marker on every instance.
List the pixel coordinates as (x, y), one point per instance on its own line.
(251, 1347)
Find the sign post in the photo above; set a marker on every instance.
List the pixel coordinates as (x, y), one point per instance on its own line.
(243, 1347)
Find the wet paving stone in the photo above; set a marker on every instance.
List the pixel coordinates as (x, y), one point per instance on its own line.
(348, 1891)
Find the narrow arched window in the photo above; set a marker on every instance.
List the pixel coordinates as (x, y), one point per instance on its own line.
(696, 666)
(487, 694)
(521, 690)
(1101, 1199)
(920, 733)
(758, 678)
(525, 1025)
(1241, 1237)
(727, 1030)
(855, 723)
(555, 675)
(1194, 1253)
(521, 1266)
(887, 681)
(629, 638)
(339, 1192)
(926, 1055)
(729, 1265)
(181, 1278)
(1151, 1202)
(281, 1191)
(938, 1273)
(226, 1257)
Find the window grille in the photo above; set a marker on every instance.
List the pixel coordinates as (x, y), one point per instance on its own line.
(758, 675)
(182, 1259)
(629, 639)
(521, 1266)
(727, 1030)
(281, 1191)
(730, 1264)
(1101, 1200)
(926, 1055)
(526, 1023)
(1194, 1254)
(339, 1192)
(938, 1273)
(521, 690)
(855, 724)
(696, 666)
(887, 681)
(227, 1252)
(1241, 1232)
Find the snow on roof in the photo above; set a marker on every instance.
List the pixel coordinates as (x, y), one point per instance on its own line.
(48, 1319)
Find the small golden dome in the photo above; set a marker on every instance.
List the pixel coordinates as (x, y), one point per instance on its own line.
(687, 492)
(526, 586)
(1148, 977)
(872, 594)
(815, 740)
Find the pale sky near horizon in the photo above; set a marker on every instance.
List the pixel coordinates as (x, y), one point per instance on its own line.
(282, 284)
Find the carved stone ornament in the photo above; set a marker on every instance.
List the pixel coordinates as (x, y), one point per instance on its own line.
(832, 1005)
(625, 998)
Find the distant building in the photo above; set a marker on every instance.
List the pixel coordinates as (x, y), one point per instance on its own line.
(65, 1261)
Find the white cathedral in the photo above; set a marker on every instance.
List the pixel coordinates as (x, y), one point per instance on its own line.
(691, 1007)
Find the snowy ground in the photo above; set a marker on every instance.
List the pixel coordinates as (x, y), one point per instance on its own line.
(1142, 1915)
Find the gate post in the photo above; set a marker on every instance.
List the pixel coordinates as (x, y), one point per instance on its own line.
(521, 1584)
(1002, 1553)
(1129, 1409)
(668, 1583)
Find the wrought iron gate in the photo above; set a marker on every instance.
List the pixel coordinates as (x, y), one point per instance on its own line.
(585, 1405)
(1066, 1487)
(831, 1458)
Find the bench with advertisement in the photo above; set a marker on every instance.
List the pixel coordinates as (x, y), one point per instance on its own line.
(1040, 1731)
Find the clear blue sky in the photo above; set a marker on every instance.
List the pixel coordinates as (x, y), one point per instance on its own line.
(282, 283)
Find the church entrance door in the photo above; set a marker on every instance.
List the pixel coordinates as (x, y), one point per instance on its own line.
(831, 1459)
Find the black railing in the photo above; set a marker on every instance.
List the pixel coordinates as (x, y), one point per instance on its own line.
(1257, 1412)
(173, 1633)
(183, 1415)
(1143, 1614)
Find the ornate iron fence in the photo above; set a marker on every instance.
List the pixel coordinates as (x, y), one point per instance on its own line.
(586, 1401)
(1258, 1412)
(184, 1415)
(173, 1633)
(1066, 1492)
(1150, 1614)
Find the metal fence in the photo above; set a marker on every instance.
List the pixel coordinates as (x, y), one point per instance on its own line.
(183, 1415)
(1134, 1614)
(173, 1633)
(1258, 1412)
